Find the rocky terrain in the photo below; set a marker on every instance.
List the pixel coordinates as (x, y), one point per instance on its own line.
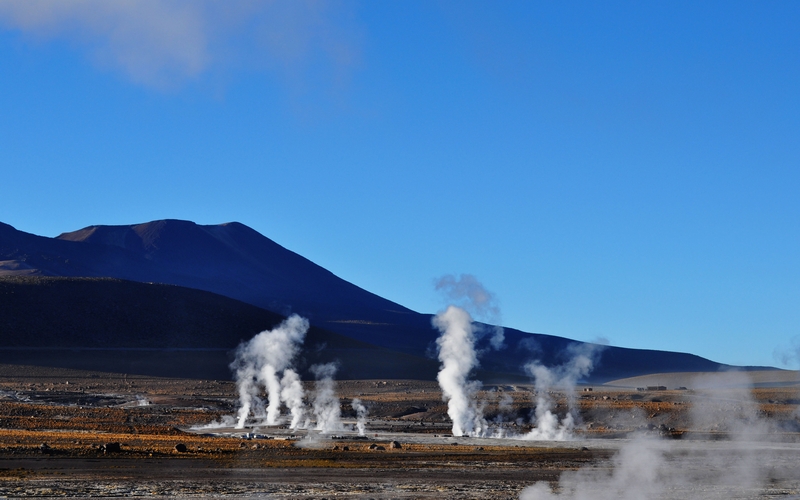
(78, 433)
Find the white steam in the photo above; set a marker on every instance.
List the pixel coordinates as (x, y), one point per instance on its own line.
(361, 416)
(456, 346)
(469, 294)
(292, 394)
(456, 349)
(325, 402)
(634, 476)
(547, 425)
(738, 463)
(259, 365)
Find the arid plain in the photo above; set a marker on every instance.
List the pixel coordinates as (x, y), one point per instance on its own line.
(77, 433)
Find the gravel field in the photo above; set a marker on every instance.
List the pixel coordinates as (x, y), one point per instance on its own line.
(82, 434)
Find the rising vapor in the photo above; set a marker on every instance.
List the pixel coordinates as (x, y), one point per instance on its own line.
(361, 416)
(649, 468)
(565, 377)
(456, 349)
(469, 294)
(260, 363)
(326, 407)
(456, 346)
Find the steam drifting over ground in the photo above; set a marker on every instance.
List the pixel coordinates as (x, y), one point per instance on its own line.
(651, 468)
(582, 358)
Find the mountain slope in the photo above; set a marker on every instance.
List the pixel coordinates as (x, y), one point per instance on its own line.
(238, 262)
(132, 327)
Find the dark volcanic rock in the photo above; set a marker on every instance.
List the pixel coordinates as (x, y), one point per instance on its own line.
(111, 448)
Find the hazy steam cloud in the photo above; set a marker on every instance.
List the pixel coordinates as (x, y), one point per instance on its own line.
(456, 346)
(649, 468)
(292, 395)
(469, 294)
(563, 377)
(164, 43)
(789, 355)
(326, 403)
(634, 476)
(361, 415)
(259, 364)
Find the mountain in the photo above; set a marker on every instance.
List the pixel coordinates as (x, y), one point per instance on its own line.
(235, 261)
(108, 324)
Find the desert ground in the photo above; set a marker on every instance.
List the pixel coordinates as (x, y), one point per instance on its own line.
(69, 433)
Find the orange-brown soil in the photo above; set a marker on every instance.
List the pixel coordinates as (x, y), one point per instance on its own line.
(58, 430)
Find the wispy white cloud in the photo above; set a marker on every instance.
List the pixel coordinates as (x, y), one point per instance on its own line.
(165, 43)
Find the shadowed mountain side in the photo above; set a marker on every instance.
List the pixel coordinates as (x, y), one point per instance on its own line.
(124, 326)
(238, 262)
(228, 259)
(609, 362)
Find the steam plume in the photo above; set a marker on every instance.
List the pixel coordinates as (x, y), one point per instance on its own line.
(469, 294)
(260, 361)
(361, 415)
(326, 404)
(292, 396)
(458, 358)
(563, 377)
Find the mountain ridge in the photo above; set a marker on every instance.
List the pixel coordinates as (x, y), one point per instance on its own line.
(236, 261)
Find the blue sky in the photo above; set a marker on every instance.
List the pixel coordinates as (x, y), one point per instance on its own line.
(617, 170)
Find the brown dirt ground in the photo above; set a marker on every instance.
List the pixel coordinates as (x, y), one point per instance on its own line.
(76, 413)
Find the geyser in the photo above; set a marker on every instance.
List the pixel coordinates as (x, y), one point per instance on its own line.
(456, 347)
(456, 350)
(325, 401)
(265, 362)
(564, 377)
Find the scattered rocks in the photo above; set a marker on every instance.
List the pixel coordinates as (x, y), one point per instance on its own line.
(181, 448)
(111, 448)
